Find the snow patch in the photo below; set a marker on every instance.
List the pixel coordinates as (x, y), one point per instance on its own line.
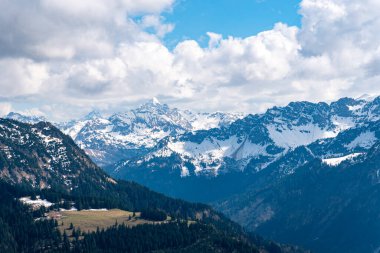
(218, 149)
(66, 210)
(364, 140)
(355, 107)
(37, 203)
(342, 123)
(185, 172)
(298, 135)
(209, 155)
(339, 160)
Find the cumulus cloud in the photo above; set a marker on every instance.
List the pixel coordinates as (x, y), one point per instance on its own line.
(156, 22)
(5, 108)
(68, 57)
(20, 76)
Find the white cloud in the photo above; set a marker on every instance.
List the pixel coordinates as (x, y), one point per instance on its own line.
(5, 108)
(21, 76)
(215, 39)
(65, 57)
(156, 22)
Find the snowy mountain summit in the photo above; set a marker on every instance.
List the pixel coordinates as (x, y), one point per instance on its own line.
(134, 132)
(31, 119)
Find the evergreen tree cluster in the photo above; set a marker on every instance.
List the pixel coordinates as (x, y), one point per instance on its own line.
(153, 214)
(123, 195)
(20, 231)
(169, 237)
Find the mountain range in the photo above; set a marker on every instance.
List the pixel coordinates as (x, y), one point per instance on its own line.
(171, 150)
(298, 174)
(135, 132)
(222, 160)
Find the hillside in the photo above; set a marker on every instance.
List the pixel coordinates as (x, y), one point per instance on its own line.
(324, 206)
(40, 157)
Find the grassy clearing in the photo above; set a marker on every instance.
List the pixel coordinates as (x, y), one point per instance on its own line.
(88, 221)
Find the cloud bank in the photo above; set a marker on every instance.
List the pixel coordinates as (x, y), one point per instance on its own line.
(64, 58)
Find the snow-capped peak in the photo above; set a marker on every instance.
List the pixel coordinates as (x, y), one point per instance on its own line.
(93, 115)
(155, 101)
(136, 130)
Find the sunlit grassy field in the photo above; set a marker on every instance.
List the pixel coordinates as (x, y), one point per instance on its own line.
(89, 221)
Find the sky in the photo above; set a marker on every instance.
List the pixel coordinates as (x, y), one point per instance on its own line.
(63, 59)
(242, 18)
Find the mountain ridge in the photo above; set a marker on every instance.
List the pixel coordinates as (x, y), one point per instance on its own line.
(251, 144)
(154, 139)
(136, 131)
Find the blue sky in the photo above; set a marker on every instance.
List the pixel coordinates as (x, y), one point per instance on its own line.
(238, 18)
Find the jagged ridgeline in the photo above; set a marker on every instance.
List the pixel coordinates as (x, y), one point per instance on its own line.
(40, 160)
(133, 132)
(223, 161)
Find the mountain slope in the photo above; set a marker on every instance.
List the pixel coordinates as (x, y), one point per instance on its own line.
(43, 157)
(323, 207)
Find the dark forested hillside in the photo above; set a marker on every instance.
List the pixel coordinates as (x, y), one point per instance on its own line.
(321, 207)
(19, 232)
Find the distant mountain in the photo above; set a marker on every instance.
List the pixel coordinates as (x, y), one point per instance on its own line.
(38, 159)
(25, 118)
(221, 161)
(135, 132)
